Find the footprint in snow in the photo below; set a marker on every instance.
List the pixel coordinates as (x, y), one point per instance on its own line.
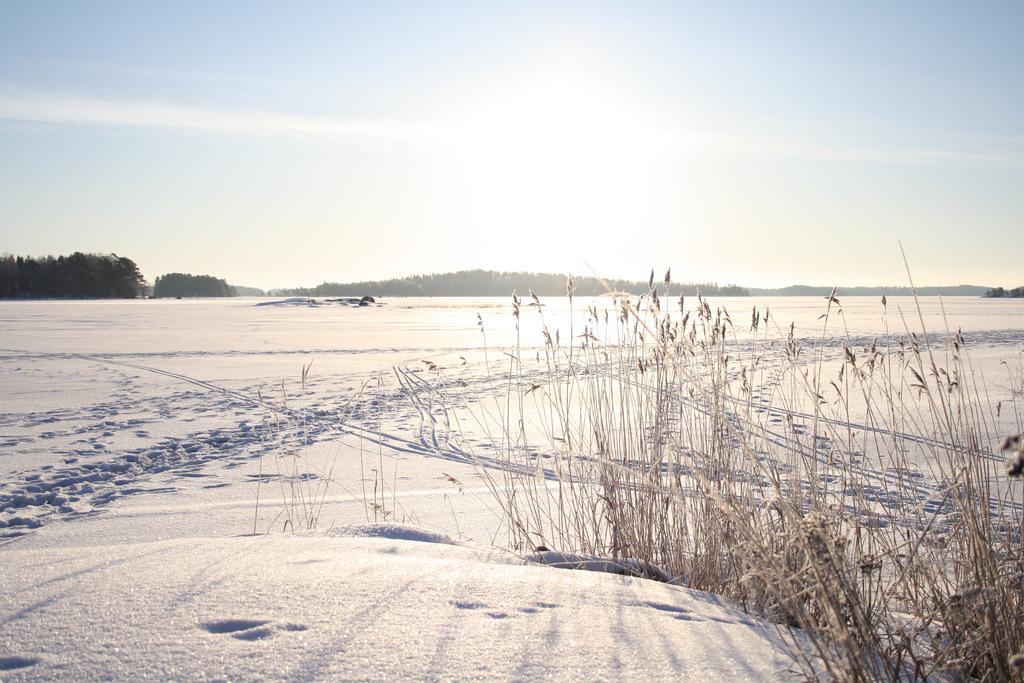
(499, 614)
(537, 607)
(11, 663)
(250, 629)
(683, 614)
(467, 604)
(680, 613)
(233, 625)
(255, 633)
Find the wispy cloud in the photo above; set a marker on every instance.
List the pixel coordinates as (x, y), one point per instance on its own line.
(729, 144)
(18, 104)
(62, 108)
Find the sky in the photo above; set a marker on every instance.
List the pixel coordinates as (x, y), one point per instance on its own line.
(288, 144)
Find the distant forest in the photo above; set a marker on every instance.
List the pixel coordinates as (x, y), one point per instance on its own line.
(493, 283)
(806, 290)
(999, 292)
(101, 276)
(186, 284)
(78, 276)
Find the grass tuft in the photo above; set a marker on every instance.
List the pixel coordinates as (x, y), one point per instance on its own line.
(851, 492)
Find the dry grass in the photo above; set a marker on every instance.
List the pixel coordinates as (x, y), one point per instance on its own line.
(303, 480)
(853, 492)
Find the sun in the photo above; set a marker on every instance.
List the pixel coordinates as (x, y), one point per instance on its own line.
(555, 159)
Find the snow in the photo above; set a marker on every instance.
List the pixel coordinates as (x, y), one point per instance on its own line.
(159, 460)
(373, 605)
(290, 301)
(398, 532)
(593, 563)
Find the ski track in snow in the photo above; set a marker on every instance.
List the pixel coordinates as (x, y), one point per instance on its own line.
(93, 472)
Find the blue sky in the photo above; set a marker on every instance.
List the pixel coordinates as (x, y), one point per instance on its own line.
(278, 145)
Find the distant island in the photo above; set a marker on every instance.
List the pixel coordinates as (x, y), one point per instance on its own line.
(101, 276)
(887, 290)
(186, 284)
(999, 292)
(77, 276)
(495, 283)
(180, 285)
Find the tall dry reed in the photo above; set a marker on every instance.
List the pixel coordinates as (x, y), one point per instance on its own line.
(850, 491)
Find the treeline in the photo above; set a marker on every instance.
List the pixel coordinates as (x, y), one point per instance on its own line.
(494, 283)
(809, 290)
(186, 284)
(998, 292)
(78, 276)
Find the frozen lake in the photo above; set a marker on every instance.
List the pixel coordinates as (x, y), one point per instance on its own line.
(76, 362)
(133, 430)
(101, 381)
(235, 326)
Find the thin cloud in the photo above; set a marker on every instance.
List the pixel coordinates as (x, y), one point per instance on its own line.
(726, 145)
(61, 108)
(666, 143)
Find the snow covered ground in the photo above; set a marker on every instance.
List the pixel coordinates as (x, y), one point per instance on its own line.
(161, 463)
(382, 602)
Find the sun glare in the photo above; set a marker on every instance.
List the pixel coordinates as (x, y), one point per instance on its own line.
(554, 158)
